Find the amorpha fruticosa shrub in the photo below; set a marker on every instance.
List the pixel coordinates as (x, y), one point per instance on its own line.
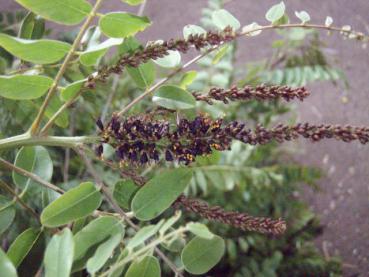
(154, 146)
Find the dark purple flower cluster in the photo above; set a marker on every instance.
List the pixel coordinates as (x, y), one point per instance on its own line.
(239, 220)
(158, 50)
(141, 140)
(260, 92)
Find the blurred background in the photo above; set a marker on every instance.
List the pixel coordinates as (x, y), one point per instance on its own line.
(342, 202)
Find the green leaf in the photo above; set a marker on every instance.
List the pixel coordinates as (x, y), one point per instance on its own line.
(6, 267)
(35, 159)
(22, 245)
(95, 232)
(150, 201)
(7, 214)
(74, 204)
(43, 51)
(133, 2)
(188, 79)
(121, 25)
(143, 234)
(124, 190)
(143, 75)
(171, 60)
(303, 16)
(71, 90)
(147, 267)
(66, 12)
(276, 12)
(103, 253)
(192, 30)
(222, 19)
(200, 230)
(92, 54)
(32, 27)
(59, 255)
(174, 97)
(200, 255)
(24, 87)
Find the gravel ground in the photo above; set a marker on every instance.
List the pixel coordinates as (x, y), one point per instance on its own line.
(344, 202)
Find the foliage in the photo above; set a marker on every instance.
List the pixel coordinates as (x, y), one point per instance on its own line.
(126, 210)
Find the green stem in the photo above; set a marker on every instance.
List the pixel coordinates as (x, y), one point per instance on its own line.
(28, 140)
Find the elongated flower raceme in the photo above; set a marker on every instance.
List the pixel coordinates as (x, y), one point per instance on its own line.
(158, 50)
(139, 140)
(236, 219)
(260, 92)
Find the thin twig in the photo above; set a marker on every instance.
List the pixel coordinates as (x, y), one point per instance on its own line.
(19, 200)
(30, 175)
(110, 199)
(64, 66)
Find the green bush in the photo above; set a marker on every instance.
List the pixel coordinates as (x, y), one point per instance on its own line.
(106, 141)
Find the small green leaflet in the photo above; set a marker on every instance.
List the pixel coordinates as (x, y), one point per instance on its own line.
(276, 12)
(150, 201)
(43, 51)
(174, 98)
(59, 255)
(76, 203)
(222, 19)
(121, 25)
(66, 12)
(24, 87)
(200, 255)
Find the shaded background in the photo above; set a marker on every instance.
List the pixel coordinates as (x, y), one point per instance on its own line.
(343, 203)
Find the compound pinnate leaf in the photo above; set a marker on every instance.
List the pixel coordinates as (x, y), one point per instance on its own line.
(200, 255)
(59, 255)
(74, 204)
(43, 51)
(24, 87)
(160, 192)
(66, 12)
(121, 25)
